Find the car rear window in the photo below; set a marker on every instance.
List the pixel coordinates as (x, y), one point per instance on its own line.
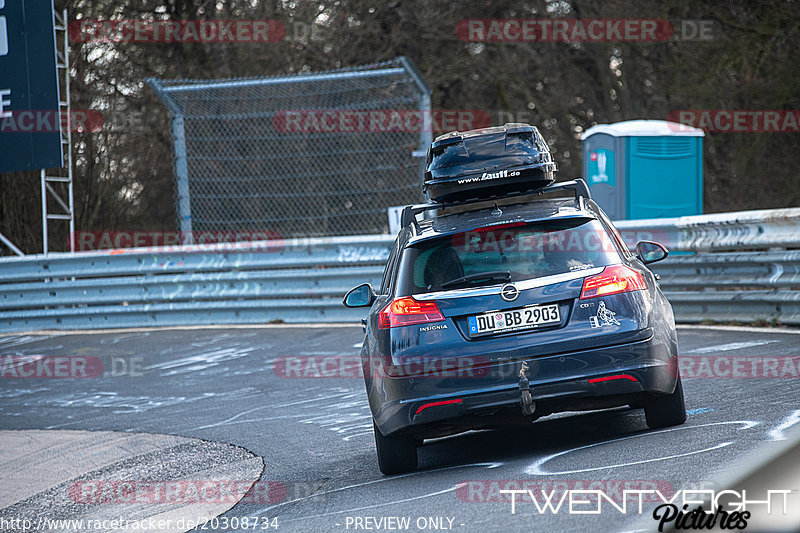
(525, 250)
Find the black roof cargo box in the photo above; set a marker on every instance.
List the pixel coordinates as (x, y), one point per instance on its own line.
(487, 163)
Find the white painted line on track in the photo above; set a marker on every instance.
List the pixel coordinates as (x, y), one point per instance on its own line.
(370, 433)
(181, 328)
(379, 480)
(233, 419)
(744, 329)
(382, 504)
(731, 346)
(535, 468)
(786, 423)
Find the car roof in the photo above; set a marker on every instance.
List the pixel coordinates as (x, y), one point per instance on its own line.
(539, 210)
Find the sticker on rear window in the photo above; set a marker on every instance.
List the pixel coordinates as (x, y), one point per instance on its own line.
(574, 266)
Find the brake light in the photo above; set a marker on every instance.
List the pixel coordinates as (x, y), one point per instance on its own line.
(612, 378)
(496, 227)
(612, 280)
(437, 404)
(408, 311)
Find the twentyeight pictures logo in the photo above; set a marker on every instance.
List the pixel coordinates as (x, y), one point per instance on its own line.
(501, 491)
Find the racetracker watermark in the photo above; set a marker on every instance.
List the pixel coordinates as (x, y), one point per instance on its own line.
(176, 31)
(177, 491)
(85, 241)
(68, 366)
(49, 121)
(352, 366)
(150, 524)
(516, 237)
(582, 30)
(738, 120)
(379, 120)
(739, 366)
(107, 242)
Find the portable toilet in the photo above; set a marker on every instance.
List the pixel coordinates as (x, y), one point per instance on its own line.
(644, 168)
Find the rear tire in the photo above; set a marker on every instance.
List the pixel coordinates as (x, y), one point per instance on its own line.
(395, 454)
(665, 411)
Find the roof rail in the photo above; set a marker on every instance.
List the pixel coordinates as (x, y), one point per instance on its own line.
(577, 186)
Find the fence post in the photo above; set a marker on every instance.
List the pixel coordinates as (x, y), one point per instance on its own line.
(182, 175)
(426, 132)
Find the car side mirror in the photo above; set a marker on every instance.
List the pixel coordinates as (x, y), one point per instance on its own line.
(361, 296)
(650, 252)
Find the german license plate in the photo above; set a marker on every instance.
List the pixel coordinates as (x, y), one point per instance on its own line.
(528, 317)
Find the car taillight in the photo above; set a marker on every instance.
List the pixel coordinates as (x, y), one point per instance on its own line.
(408, 311)
(612, 280)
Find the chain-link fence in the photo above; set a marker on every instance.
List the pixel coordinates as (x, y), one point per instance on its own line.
(299, 155)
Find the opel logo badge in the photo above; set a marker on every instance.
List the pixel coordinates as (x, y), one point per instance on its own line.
(509, 293)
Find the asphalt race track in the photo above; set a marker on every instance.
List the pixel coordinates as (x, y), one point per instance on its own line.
(234, 386)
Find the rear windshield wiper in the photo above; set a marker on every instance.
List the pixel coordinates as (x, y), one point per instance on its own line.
(499, 275)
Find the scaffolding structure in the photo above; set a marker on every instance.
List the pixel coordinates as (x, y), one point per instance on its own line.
(57, 183)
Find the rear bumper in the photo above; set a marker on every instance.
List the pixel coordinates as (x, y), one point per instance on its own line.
(578, 380)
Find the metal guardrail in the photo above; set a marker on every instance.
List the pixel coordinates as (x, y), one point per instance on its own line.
(293, 280)
(303, 280)
(739, 287)
(743, 230)
(741, 267)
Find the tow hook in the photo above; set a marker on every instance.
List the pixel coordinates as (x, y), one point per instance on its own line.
(528, 405)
